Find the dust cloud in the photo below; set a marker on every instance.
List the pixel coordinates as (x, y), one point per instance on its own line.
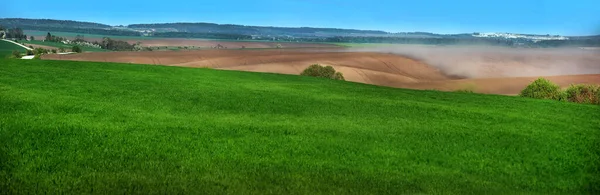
(495, 62)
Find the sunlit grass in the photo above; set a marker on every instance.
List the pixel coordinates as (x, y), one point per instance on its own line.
(109, 128)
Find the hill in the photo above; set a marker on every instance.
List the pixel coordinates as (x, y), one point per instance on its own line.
(109, 128)
(254, 30)
(294, 34)
(6, 48)
(17, 22)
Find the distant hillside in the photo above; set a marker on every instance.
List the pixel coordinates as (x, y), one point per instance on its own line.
(296, 34)
(18, 22)
(593, 37)
(254, 30)
(65, 26)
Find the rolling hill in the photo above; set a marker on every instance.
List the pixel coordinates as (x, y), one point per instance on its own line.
(6, 48)
(110, 128)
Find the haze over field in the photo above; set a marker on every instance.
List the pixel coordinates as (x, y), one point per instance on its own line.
(492, 62)
(487, 69)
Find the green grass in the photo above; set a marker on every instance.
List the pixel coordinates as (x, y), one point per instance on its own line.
(62, 45)
(6, 49)
(107, 128)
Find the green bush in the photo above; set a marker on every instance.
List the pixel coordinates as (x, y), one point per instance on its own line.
(16, 54)
(29, 52)
(317, 70)
(543, 89)
(586, 94)
(76, 49)
(338, 76)
(37, 56)
(40, 51)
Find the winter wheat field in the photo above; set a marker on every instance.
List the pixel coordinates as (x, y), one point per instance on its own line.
(168, 126)
(483, 69)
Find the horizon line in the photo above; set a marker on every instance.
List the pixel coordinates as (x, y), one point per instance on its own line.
(389, 32)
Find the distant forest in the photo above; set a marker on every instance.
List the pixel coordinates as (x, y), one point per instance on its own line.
(279, 34)
(253, 30)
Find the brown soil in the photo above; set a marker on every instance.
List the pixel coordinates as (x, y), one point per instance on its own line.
(366, 67)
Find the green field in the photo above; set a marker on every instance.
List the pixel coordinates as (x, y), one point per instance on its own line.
(6, 49)
(71, 127)
(62, 45)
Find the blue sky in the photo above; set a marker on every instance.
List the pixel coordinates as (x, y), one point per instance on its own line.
(574, 17)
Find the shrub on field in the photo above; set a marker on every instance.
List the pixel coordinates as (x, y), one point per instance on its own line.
(61, 50)
(317, 70)
(76, 49)
(40, 51)
(16, 54)
(338, 76)
(37, 56)
(53, 50)
(587, 94)
(29, 52)
(542, 89)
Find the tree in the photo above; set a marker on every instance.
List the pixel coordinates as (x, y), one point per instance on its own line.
(19, 34)
(48, 37)
(32, 38)
(79, 38)
(76, 49)
(61, 50)
(40, 51)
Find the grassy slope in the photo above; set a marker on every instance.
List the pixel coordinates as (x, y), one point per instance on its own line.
(6, 48)
(110, 128)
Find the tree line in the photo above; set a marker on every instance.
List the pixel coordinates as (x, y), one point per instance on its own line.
(51, 38)
(18, 22)
(202, 35)
(13, 33)
(583, 42)
(115, 45)
(82, 30)
(253, 30)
